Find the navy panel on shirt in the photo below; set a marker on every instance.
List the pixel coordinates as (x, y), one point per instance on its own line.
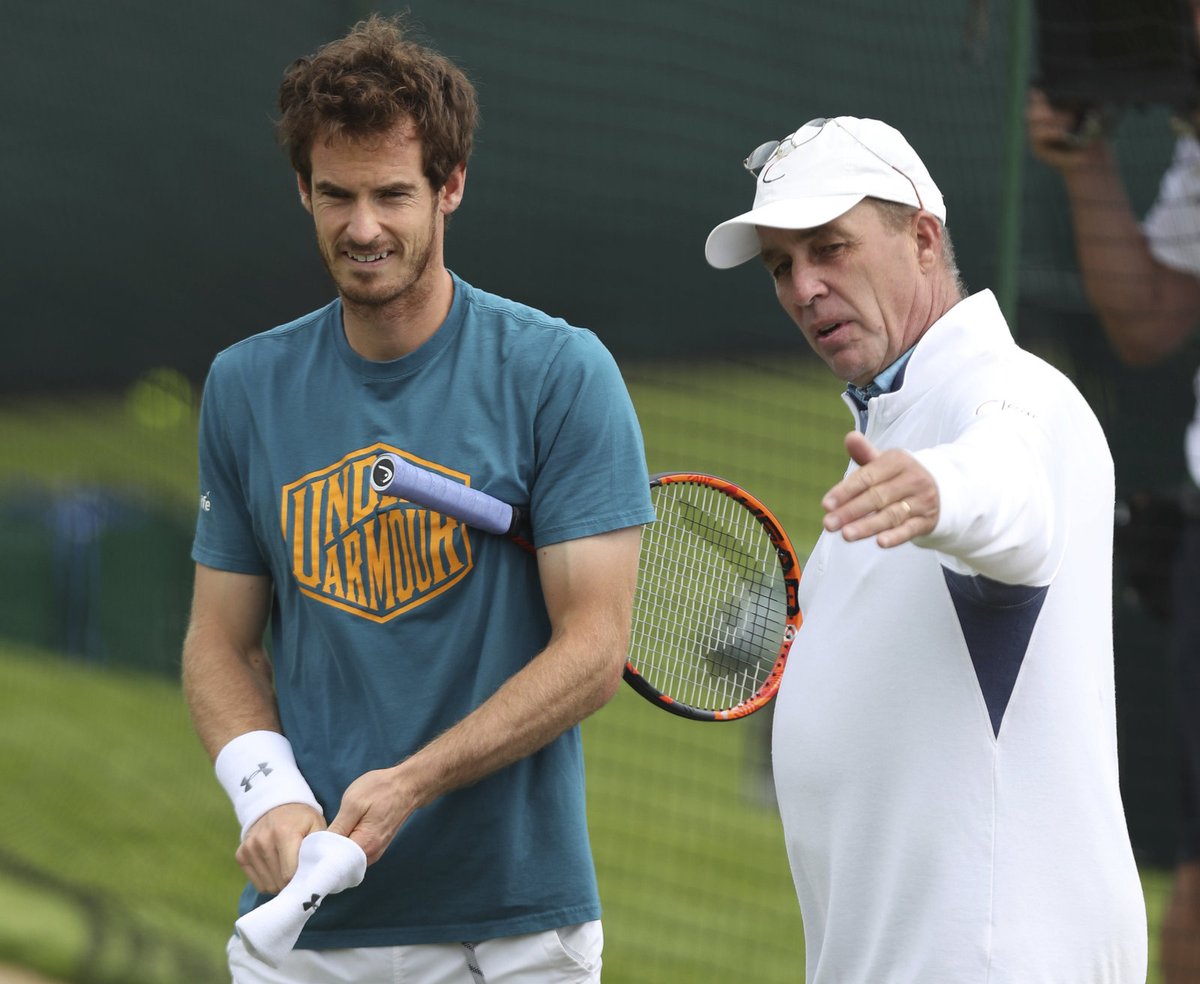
(997, 621)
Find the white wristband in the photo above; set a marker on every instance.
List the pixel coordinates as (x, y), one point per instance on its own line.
(258, 771)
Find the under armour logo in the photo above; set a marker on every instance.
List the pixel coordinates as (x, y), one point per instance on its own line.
(263, 769)
(312, 903)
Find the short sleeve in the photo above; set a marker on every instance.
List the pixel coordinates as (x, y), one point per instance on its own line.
(590, 464)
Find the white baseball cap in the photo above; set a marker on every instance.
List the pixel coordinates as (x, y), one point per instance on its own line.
(821, 171)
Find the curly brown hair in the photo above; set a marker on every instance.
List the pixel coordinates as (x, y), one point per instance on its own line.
(365, 83)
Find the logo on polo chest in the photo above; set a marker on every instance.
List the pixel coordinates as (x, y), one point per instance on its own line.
(373, 555)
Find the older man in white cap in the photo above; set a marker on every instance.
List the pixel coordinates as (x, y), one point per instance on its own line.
(945, 741)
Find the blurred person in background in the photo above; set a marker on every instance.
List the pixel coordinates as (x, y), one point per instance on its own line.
(422, 687)
(1143, 282)
(945, 749)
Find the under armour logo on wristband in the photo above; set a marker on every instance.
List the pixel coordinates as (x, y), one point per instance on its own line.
(312, 903)
(263, 768)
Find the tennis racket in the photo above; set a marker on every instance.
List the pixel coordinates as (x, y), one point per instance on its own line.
(715, 609)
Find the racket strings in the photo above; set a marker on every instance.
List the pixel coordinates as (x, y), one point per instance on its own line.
(709, 612)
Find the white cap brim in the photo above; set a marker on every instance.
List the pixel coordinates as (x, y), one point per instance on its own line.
(735, 241)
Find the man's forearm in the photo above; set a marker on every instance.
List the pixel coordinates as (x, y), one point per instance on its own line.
(1142, 305)
(564, 684)
(228, 693)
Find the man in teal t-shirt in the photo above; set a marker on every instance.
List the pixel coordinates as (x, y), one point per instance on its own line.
(424, 682)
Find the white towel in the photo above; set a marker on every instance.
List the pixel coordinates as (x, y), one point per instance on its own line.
(329, 863)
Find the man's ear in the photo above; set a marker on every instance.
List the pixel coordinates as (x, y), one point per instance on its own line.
(928, 232)
(451, 194)
(305, 193)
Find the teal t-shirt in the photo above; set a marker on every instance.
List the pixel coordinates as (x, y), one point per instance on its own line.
(391, 623)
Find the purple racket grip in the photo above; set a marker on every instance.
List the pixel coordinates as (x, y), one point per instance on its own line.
(392, 475)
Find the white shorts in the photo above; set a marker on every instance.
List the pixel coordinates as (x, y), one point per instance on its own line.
(570, 955)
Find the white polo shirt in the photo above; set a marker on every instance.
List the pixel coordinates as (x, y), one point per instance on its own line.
(945, 738)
